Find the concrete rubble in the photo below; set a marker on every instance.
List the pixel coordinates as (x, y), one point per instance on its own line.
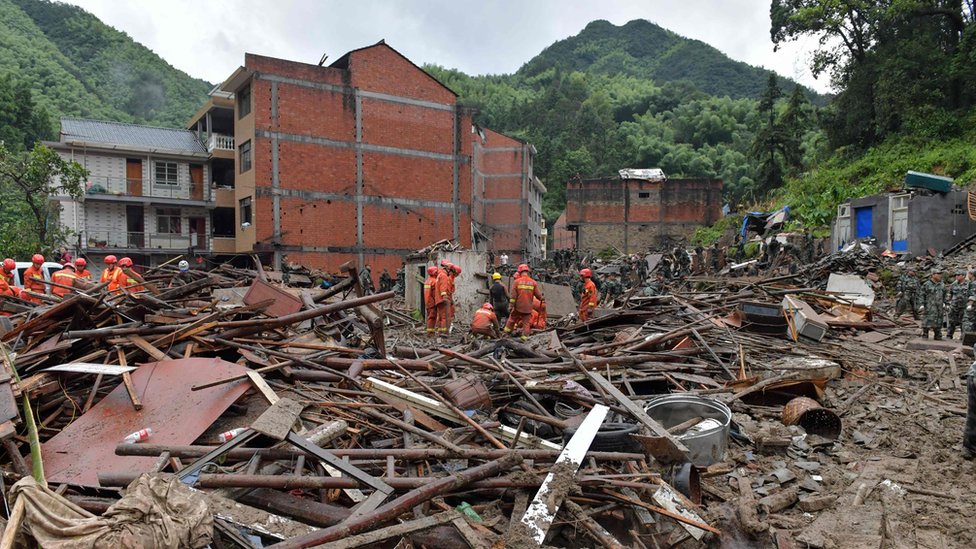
(721, 409)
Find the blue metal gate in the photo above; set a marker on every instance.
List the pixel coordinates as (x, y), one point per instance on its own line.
(863, 227)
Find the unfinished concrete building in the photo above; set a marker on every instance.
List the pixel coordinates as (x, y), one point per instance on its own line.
(507, 198)
(633, 213)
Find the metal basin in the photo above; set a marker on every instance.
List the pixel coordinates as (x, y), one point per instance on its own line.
(706, 447)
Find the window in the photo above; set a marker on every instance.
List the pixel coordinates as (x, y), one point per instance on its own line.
(222, 222)
(959, 210)
(166, 173)
(168, 221)
(643, 195)
(244, 101)
(245, 155)
(245, 210)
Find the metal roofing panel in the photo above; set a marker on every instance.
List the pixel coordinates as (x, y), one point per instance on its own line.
(133, 135)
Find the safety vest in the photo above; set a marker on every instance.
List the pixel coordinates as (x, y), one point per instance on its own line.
(124, 282)
(483, 319)
(65, 277)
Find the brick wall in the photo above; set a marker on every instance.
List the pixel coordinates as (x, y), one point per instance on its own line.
(397, 168)
(634, 215)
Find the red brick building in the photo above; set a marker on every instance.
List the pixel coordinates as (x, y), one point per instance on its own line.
(562, 237)
(633, 215)
(364, 160)
(507, 199)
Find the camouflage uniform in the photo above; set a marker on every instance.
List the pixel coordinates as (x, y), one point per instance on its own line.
(969, 317)
(908, 298)
(654, 288)
(958, 296)
(933, 299)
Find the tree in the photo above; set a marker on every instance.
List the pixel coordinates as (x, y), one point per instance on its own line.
(28, 214)
(769, 146)
(795, 121)
(22, 122)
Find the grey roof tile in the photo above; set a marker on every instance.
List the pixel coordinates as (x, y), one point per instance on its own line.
(122, 134)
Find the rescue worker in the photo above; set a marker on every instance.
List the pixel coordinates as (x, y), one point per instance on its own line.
(7, 271)
(386, 281)
(485, 323)
(655, 288)
(933, 300)
(958, 296)
(80, 269)
(65, 277)
(588, 297)
(907, 290)
(498, 295)
(969, 317)
(430, 299)
(126, 279)
(613, 288)
(109, 273)
(969, 435)
(366, 280)
(442, 299)
(183, 277)
(525, 290)
(453, 272)
(34, 278)
(539, 317)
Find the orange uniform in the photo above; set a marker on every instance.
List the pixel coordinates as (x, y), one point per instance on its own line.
(442, 300)
(7, 288)
(430, 302)
(64, 277)
(484, 323)
(125, 282)
(84, 273)
(588, 300)
(525, 291)
(34, 282)
(108, 275)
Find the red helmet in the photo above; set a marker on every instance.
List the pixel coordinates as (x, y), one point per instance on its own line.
(456, 269)
(523, 268)
(110, 260)
(81, 262)
(38, 258)
(445, 263)
(586, 273)
(488, 306)
(125, 262)
(9, 264)
(432, 271)
(69, 265)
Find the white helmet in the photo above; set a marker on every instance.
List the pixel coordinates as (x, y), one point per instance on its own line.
(184, 266)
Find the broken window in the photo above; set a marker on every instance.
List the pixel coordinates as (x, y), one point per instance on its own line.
(167, 173)
(168, 221)
(244, 102)
(245, 210)
(222, 222)
(958, 209)
(245, 156)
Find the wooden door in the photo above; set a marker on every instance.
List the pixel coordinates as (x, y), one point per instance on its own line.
(196, 181)
(198, 233)
(133, 177)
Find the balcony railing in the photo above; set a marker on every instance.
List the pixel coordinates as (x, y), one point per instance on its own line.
(180, 189)
(114, 239)
(220, 142)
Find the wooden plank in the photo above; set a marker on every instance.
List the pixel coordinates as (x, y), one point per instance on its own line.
(262, 386)
(664, 446)
(127, 380)
(91, 368)
(278, 420)
(153, 352)
(397, 530)
(543, 508)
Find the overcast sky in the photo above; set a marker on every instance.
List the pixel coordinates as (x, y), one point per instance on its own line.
(208, 39)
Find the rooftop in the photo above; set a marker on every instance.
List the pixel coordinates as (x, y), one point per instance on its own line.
(120, 134)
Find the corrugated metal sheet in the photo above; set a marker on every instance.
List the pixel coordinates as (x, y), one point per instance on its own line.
(133, 135)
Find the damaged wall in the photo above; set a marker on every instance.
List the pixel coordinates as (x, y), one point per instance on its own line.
(634, 215)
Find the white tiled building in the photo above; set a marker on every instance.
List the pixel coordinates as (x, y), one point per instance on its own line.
(148, 195)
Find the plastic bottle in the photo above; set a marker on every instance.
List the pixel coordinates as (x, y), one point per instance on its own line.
(466, 510)
(224, 437)
(138, 436)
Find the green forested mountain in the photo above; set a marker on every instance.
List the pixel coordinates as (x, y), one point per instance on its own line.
(644, 50)
(76, 65)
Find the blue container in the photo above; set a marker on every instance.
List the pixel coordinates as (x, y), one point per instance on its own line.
(919, 180)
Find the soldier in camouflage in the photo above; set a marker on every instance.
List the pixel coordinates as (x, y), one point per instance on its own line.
(907, 287)
(612, 288)
(958, 297)
(933, 302)
(655, 287)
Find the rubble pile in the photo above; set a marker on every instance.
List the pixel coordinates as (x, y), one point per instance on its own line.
(759, 413)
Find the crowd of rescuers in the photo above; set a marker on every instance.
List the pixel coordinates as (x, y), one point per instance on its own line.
(118, 276)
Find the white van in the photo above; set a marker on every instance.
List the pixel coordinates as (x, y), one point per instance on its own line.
(48, 268)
